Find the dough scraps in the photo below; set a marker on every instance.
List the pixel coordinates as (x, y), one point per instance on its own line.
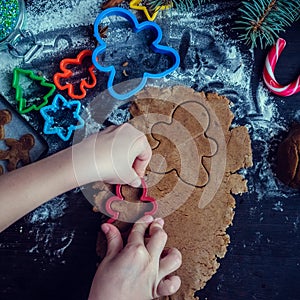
(192, 175)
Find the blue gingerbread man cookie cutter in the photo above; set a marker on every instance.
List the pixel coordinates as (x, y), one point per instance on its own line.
(155, 47)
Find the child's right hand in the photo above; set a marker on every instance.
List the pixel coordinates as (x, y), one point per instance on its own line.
(114, 155)
(140, 270)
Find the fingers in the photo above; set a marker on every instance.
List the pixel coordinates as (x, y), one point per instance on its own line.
(114, 239)
(170, 262)
(143, 155)
(158, 238)
(140, 150)
(138, 231)
(168, 286)
(133, 179)
(130, 153)
(140, 153)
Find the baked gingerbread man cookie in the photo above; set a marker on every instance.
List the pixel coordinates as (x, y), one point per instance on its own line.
(5, 118)
(18, 151)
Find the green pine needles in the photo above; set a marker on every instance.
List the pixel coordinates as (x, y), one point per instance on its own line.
(262, 20)
(187, 5)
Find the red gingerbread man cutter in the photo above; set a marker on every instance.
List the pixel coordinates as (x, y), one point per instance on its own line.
(114, 215)
(66, 74)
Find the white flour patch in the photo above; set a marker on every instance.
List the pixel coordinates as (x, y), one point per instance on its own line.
(45, 222)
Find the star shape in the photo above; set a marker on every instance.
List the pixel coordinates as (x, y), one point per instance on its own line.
(62, 117)
(136, 4)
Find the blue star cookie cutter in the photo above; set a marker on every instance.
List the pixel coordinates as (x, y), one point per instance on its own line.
(62, 117)
(137, 27)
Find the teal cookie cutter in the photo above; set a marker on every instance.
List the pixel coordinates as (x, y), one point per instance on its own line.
(56, 117)
(137, 27)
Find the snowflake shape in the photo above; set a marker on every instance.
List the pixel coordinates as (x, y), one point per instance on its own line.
(62, 117)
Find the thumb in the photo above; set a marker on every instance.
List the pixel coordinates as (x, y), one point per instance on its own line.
(168, 286)
(114, 239)
(136, 181)
(133, 178)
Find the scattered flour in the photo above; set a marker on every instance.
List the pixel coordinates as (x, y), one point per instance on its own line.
(45, 224)
(213, 63)
(49, 211)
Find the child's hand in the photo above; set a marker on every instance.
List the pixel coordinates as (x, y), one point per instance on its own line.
(139, 271)
(114, 155)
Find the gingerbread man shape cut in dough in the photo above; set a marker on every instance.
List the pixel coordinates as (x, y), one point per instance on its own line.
(5, 118)
(182, 144)
(18, 151)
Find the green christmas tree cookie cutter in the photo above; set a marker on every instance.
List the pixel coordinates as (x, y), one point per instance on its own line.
(22, 102)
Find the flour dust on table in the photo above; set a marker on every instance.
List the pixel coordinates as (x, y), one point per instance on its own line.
(211, 61)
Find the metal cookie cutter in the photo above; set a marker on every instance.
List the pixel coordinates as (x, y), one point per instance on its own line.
(137, 27)
(67, 73)
(19, 42)
(119, 197)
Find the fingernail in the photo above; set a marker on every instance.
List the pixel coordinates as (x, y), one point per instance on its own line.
(105, 228)
(136, 183)
(160, 221)
(147, 219)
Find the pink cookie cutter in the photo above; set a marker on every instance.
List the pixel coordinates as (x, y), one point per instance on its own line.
(114, 215)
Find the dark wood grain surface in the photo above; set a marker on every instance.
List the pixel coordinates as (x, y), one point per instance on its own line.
(263, 259)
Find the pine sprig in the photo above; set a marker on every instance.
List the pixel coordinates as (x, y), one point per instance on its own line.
(187, 5)
(263, 20)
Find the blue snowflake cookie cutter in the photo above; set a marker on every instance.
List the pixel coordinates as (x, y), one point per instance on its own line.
(54, 121)
(137, 27)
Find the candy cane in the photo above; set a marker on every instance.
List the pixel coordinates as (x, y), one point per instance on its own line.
(268, 73)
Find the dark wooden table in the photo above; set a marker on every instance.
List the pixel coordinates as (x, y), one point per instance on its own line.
(53, 256)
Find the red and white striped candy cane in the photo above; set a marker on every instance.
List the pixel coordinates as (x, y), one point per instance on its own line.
(268, 73)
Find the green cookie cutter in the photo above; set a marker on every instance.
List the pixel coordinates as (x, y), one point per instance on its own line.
(22, 102)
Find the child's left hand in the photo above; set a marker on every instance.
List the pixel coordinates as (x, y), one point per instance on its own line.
(118, 154)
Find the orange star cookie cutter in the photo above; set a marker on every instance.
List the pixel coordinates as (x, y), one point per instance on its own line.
(136, 4)
(114, 215)
(67, 73)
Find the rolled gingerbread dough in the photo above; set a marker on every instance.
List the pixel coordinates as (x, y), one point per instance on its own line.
(192, 175)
